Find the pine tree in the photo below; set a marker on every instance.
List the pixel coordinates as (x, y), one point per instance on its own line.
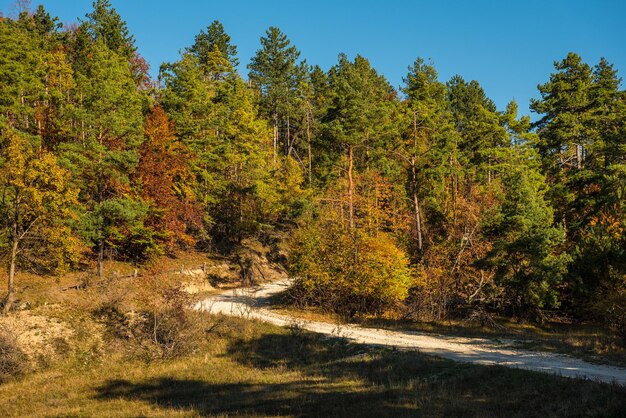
(105, 25)
(479, 125)
(563, 128)
(207, 43)
(218, 119)
(105, 150)
(21, 73)
(428, 136)
(525, 254)
(358, 124)
(607, 117)
(597, 231)
(275, 72)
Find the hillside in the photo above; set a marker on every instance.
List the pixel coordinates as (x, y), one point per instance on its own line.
(88, 360)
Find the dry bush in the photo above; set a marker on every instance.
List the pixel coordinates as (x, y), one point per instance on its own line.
(169, 328)
(13, 361)
(154, 320)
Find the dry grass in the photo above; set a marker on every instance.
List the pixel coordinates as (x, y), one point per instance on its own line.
(13, 361)
(246, 368)
(250, 369)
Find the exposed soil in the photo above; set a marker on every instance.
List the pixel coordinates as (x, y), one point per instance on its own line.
(37, 336)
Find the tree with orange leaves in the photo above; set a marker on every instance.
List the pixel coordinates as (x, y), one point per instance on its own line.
(165, 179)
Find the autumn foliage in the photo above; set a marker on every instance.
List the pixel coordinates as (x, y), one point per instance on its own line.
(164, 178)
(426, 201)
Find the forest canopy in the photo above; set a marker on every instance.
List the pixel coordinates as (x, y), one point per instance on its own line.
(425, 200)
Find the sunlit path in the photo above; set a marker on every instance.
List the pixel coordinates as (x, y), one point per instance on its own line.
(249, 303)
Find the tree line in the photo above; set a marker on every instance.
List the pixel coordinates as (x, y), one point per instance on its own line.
(425, 200)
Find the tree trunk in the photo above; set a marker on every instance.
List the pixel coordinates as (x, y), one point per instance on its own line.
(12, 261)
(101, 258)
(351, 202)
(82, 120)
(416, 207)
(308, 139)
(350, 188)
(455, 182)
(275, 118)
(288, 139)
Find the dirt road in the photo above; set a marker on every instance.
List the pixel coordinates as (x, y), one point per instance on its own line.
(250, 303)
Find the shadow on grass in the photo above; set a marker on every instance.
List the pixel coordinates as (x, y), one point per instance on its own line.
(344, 379)
(307, 398)
(437, 387)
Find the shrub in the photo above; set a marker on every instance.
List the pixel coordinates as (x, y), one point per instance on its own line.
(13, 362)
(350, 273)
(611, 307)
(160, 325)
(170, 329)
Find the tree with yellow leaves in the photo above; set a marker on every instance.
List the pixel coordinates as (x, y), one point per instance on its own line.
(35, 198)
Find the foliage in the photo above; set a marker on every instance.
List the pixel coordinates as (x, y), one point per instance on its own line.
(106, 25)
(475, 208)
(240, 186)
(164, 178)
(349, 275)
(207, 43)
(35, 204)
(161, 326)
(278, 76)
(525, 254)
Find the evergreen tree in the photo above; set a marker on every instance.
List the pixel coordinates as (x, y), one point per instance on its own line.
(218, 119)
(22, 70)
(105, 25)
(105, 151)
(525, 257)
(358, 122)
(563, 129)
(44, 23)
(314, 100)
(479, 125)
(581, 141)
(214, 39)
(429, 142)
(274, 70)
(597, 231)
(607, 114)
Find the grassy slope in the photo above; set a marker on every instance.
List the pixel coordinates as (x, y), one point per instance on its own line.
(252, 369)
(257, 369)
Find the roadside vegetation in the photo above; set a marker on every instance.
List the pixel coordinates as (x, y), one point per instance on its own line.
(592, 342)
(101, 363)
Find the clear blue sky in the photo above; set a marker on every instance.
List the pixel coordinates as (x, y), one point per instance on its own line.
(507, 46)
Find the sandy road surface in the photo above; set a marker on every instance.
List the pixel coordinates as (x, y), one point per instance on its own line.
(250, 303)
